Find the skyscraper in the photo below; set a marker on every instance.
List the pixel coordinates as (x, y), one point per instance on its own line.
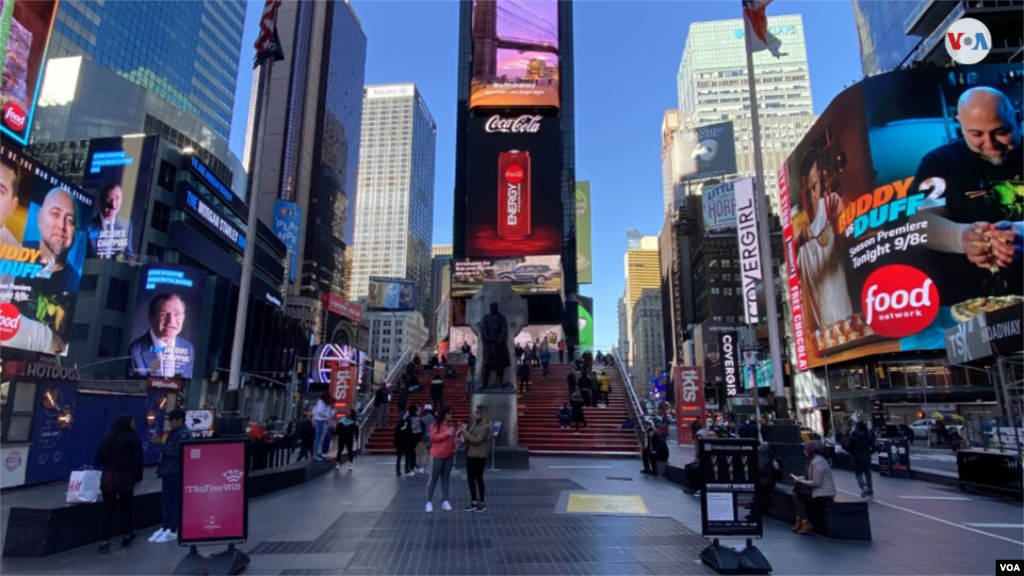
(712, 86)
(894, 33)
(130, 68)
(440, 279)
(669, 126)
(310, 151)
(648, 357)
(395, 208)
(643, 270)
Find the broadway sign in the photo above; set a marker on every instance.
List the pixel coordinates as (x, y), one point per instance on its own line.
(997, 332)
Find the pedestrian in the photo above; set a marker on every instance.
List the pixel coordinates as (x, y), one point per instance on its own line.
(348, 433)
(545, 361)
(535, 355)
(570, 379)
(655, 452)
(770, 473)
(169, 471)
(321, 413)
(120, 458)
(402, 438)
(437, 389)
(416, 439)
(442, 456)
(307, 435)
(588, 362)
(381, 401)
(577, 403)
(332, 424)
(465, 348)
(586, 386)
(861, 446)
(476, 437)
(423, 448)
(814, 488)
(604, 383)
(564, 416)
(524, 377)
(561, 351)
(519, 353)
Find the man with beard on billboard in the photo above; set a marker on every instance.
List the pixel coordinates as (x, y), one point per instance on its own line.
(161, 351)
(976, 198)
(109, 233)
(820, 261)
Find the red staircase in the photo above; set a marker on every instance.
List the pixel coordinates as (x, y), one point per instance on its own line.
(538, 423)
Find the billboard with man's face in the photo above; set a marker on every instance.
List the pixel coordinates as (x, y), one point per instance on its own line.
(42, 248)
(118, 174)
(903, 212)
(24, 35)
(515, 54)
(166, 324)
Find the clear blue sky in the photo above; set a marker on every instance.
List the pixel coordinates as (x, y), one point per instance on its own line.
(627, 56)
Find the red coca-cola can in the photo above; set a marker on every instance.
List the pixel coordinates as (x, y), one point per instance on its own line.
(514, 194)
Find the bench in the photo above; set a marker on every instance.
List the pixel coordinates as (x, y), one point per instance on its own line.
(845, 518)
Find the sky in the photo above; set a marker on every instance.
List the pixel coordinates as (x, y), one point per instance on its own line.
(627, 57)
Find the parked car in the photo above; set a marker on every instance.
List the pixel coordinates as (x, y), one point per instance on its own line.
(922, 427)
(529, 274)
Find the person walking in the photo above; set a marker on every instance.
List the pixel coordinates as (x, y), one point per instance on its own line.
(442, 453)
(586, 386)
(524, 378)
(814, 488)
(120, 458)
(437, 389)
(307, 435)
(169, 472)
(861, 446)
(545, 360)
(381, 402)
(604, 384)
(577, 404)
(332, 424)
(561, 351)
(570, 379)
(416, 439)
(423, 448)
(655, 452)
(477, 436)
(402, 438)
(348, 433)
(321, 413)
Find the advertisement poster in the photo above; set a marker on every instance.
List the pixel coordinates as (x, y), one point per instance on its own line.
(214, 506)
(515, 54)
(42, 248)
(704, 152)
(729, 355)
(729, 473)
(166, 322)
(24, 34)
(528, 275)
(15, 462)
(584, 248)
(690, 408)
(338, 305)
(749, 243)
(287, 222)
(900, 218)
(200, 422)
(514, 200)
(391, 294)
(118, 174)
(342, 387)
(718, 203)
(586, 324)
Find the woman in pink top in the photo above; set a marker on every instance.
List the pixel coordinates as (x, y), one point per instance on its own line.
(442, 453)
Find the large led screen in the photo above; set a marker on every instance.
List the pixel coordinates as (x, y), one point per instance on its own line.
(515, 54)
(166, 325)
(24, 34)
(902, 212)
(528, 275)
(42, 249)
(118, 174)
(391, 294)
(513, 199)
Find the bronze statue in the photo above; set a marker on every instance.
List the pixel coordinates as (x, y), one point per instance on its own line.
(494, 338)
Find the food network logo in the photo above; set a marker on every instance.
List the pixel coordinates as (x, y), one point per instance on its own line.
(967, 41)
(899, 301)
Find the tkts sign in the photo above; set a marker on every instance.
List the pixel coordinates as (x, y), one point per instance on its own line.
(689, 401)
(342, 386)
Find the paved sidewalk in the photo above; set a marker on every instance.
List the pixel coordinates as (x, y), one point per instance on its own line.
(370, 522)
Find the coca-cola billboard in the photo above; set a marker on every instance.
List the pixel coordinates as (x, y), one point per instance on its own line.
(525, 124)
(25, 29)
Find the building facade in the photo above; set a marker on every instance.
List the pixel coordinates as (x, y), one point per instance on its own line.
(440, 279)
(623, 342)
(669, 126)
(713, 87)
(392, 332)
(310, 148)
(894, 33)
(395, 206)
(643, 271)
(648, 358)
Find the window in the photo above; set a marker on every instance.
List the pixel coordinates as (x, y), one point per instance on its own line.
(161, 219)
(117, 295)
(168, 176)
(110, 342)
(16, 404)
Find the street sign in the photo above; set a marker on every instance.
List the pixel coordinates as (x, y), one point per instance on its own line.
(729, 471)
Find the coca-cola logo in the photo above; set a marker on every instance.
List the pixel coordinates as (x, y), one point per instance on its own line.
(525, 124)
(514, 174)
(899, 301)
(13, 461)
(10, 321)
(14, 117)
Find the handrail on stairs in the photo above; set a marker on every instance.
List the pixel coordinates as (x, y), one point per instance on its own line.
(636, 409)
(391, 375)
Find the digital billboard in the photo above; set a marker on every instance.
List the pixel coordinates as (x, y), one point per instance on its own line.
(528, 275)
(42, 249)
(585, 317)
(704, 152)
(513, 199)
(287, 222)
(24, 34)
(515, 54)
(584, 249)
(118, 174)
(718, 203)
(902, 212)
(391, 294)
(168, 312)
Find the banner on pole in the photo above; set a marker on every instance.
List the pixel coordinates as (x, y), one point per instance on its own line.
(749, 247)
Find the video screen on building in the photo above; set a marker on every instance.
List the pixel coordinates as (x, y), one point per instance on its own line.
(513, 198)
(42, 248)
(24, 34)
(118, 174)
(704, 151)
(902, 212)
(166, 324)
(515, 54)
(391, 294)
(528, 275)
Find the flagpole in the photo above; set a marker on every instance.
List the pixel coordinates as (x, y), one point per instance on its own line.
(761, 203)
